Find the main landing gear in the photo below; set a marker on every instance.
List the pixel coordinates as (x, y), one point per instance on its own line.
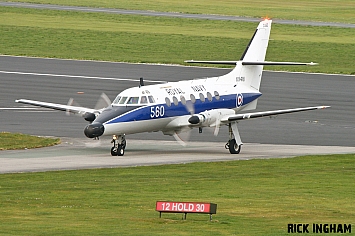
(234, 143)
(119, 145)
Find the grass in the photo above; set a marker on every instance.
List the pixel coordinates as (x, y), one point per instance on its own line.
(94, 36)
(254, 197)
(11, 141)
(318, 10)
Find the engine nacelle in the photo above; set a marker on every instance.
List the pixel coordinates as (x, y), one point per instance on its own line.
(88, 116)
(208, 118)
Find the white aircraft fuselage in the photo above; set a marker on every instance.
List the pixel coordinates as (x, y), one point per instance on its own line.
(163, 107)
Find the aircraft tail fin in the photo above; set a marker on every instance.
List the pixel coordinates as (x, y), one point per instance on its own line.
(248, 70)
(255, 52)
(256, 49)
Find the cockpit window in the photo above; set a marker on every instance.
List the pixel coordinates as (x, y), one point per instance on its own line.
(123, 100)
(144, 100)
(133, 100)
(117, 99)
(151, 99)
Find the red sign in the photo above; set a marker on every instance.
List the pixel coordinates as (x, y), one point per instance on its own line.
(186, 207)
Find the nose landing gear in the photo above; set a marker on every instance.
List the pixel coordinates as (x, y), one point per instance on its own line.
(119, 145)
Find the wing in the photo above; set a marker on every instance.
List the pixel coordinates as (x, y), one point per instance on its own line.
(251, 115)
(73, 109)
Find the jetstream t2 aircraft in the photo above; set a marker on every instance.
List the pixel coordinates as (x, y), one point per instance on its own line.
(177, 107)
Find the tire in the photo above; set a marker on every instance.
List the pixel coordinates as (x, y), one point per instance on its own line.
(120, 151)
(234, 148)
(113, 153)
(124, 143)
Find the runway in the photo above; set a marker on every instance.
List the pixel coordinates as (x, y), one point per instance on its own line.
(82, 153)
(56, 81)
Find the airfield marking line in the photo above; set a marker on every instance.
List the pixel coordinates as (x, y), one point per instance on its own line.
(78, 76)
(22, 108)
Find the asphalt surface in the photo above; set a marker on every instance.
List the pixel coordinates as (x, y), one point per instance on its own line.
(168, 14)
(322, 131)
(82, 153)
(37, 79)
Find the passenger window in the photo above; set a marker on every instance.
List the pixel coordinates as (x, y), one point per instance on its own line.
(209, 96)
(183, 100)
(175, 100)
(167, 101)
(123, 100)
(216, 94)
(133, 100)
(144, 100)
(202, 98)
(193, 99)
(151, 99)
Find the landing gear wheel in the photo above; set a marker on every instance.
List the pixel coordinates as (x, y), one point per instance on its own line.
(114, 151)
(119, 145)
(233, 147)
(120, 150)
(123, 144)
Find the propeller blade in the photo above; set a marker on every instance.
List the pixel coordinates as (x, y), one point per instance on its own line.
(103, 102)
(71, 102)
(182, 137)
(218, 125)
(190, 107)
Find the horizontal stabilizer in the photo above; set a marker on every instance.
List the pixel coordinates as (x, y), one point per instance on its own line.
(213, 62)
(273, 63)
(251, 63)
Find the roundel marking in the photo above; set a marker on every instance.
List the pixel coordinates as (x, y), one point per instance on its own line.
(239, 100)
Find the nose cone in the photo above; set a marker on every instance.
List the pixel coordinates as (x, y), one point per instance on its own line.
(94, 130)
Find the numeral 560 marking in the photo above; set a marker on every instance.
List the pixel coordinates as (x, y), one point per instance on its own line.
(157, 111)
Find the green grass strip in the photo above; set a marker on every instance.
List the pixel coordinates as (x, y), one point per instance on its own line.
(74, 35)
(11, 141)
(255, 197)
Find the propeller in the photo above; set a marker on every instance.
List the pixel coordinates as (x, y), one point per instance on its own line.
(71, 102)
(182, 137)
(190, 107)
(101, 103)
(218, 125)
(211, 118)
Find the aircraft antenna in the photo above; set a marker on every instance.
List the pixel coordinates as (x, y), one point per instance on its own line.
(141, 82)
